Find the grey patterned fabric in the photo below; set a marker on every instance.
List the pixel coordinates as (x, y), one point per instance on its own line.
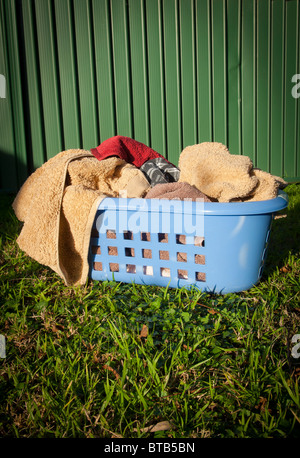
(160, 171)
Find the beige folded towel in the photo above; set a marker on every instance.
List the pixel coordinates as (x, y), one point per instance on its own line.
(226, 177)
(267, 187)
(58, 203)
(220, 175)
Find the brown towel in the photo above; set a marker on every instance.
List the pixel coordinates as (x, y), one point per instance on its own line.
(178, 191)
(58, 202)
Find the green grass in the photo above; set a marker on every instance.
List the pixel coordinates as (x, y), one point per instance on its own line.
(77, 364)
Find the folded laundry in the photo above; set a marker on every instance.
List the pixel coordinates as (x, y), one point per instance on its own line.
(159, 170)
(226, 177)
(126, 148)
(178, 191)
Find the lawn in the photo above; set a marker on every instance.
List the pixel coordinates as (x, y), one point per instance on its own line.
(115, 360)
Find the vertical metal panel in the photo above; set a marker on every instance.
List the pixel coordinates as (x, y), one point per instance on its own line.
(172, 79)
(167, 72)
(188, 72)
(263, 44)
(122, 70)
(139, 70)
(204, 71)
(248, 79)
(49, 78)
(234, 121)
(8, 171)
(219, 71)
(86, 73)
(296, 172)
(277, 85)
(104, 69)
(156, 75)
(71, 126)
(14, 82)
(35, 122)
(290, 106)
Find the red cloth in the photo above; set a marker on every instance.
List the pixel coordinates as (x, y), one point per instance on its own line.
(126, 148)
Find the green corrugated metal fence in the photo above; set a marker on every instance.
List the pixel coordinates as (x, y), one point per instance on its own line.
(169, 73)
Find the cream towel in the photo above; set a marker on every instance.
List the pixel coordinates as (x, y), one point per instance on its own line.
(267, 187)
(220, 175)
(226, 177)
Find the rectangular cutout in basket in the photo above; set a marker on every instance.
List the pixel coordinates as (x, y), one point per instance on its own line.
(127, 253)
(125, 248)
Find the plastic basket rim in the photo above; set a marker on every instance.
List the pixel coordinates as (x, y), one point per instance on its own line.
(192, 207)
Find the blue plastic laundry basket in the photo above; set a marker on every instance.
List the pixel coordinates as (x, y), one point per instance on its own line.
(216, 247)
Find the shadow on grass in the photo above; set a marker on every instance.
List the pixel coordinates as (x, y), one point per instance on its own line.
(10, 227)
(285, 234)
